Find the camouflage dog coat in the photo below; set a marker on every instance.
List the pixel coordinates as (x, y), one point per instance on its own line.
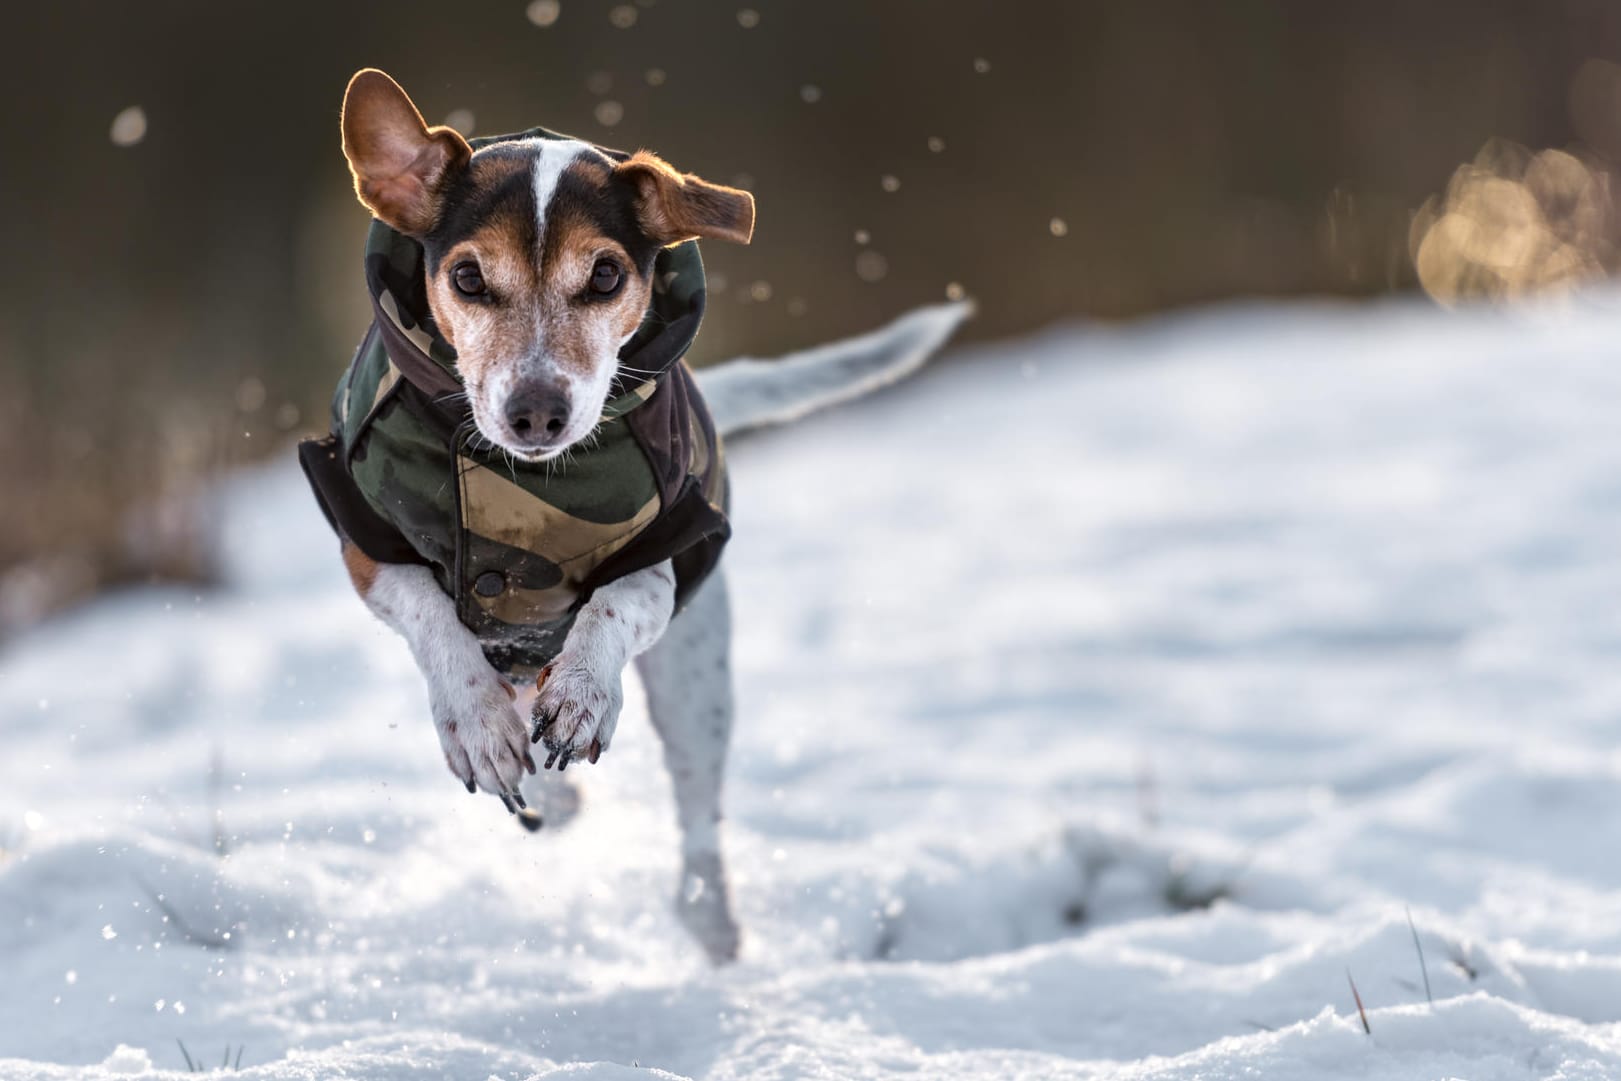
(520, 547)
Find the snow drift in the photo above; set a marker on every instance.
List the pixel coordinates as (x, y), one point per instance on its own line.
(1106, 700)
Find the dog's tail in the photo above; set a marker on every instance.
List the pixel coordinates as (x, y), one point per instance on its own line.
(744, 394)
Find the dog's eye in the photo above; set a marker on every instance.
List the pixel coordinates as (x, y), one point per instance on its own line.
(467, 279)
(606, 278)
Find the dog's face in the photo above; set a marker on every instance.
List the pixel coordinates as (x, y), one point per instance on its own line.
(539, 255)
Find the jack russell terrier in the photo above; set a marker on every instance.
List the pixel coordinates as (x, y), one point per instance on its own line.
(527, 479)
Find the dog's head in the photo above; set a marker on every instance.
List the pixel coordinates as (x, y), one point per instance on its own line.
(538, 255)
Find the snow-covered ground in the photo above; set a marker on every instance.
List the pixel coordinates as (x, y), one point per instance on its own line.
(1107, 700)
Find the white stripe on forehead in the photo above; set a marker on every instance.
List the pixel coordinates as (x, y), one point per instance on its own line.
(552, 156)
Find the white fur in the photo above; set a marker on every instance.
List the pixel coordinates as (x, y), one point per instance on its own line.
(552, 156)
(580, 697)
(483, 738)
(688, 679)
(744, 394)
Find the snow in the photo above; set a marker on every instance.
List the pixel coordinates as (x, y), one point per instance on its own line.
(1108, 699)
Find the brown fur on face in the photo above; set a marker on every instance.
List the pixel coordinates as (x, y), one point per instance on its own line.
(535, 217)
(538, 329)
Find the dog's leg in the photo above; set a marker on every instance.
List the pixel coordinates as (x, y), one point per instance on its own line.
(688, 679)
(577, 707)
(479, 729)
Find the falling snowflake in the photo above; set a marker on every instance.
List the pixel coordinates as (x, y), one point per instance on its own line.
(871, 267)
(129, 126)
(544, 12)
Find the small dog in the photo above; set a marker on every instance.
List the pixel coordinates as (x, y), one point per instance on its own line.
(524, 475)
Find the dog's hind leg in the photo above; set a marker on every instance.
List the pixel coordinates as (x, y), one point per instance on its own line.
(688, 680)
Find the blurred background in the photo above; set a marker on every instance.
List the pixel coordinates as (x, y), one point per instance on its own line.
(183, 283)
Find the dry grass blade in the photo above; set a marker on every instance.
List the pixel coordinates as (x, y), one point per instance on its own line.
(1422, 967)
(1361, 1012)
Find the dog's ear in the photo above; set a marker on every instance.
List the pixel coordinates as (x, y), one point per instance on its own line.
(673, 206)
(400, 164)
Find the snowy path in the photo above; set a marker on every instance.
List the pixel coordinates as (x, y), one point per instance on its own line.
(1105, 698)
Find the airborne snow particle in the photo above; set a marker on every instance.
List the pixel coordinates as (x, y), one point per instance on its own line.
(810, 94)
(599, 82)
(936, 144)
(129, 126)
(1058, 227)
(871, 267)
(954, 291)
(890, 182)
(760, 291)
(544, 12)
(981, 65)
(609, 113)
(108, 933)
(655, 76)
(862, 236)
(623, 16)
(250, 395)
(748, 18)
(460, 120)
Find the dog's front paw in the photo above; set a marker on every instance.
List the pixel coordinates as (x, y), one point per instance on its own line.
(576, 711)
(482, 734)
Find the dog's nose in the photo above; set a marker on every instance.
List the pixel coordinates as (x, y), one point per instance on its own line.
(536, 414)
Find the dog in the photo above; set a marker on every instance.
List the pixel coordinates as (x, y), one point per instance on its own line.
(534, 297)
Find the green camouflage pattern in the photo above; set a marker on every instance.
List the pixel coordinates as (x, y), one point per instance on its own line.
(519, 547)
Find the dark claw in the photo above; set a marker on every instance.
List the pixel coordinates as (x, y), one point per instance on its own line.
(508, 801)
(540, 727)
(529, 762)
(595, 752)
(471, 787)
(529, 820)
(564, 761)
(517, 797)
(550, 759)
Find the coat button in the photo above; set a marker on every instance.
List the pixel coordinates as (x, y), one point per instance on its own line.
(490, 584)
